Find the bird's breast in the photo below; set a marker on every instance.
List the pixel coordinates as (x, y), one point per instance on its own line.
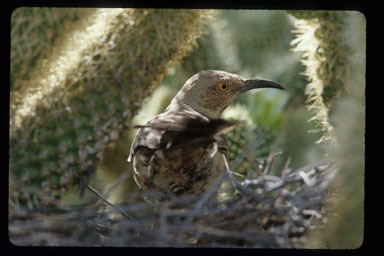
(186, 169)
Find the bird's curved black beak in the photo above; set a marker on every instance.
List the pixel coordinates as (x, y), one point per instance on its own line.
(259, 83)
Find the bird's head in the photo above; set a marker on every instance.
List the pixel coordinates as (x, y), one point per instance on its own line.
(211, 91)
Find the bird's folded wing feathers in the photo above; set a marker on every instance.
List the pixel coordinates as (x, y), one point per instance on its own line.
(168, 128)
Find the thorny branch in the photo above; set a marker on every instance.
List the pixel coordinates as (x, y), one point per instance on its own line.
(109, 203)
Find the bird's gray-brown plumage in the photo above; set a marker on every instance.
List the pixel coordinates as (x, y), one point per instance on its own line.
(179, 152)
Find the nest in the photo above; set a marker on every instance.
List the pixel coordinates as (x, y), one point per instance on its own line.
(266, 211)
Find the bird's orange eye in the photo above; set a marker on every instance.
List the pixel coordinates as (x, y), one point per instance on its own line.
(223, 86)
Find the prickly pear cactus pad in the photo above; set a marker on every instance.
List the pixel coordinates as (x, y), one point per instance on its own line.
(77, 93)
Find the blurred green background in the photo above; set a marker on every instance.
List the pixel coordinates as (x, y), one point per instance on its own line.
(253, 44)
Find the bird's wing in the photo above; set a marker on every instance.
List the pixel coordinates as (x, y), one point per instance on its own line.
(146, 137)
(150, 135)
(171, 128)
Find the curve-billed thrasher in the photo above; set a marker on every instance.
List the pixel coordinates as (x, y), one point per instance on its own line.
(179, 152)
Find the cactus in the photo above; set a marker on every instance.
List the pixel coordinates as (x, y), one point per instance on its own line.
(33, 33)
(334, 56)
(79, 99)
(319, 35)
(243, 136)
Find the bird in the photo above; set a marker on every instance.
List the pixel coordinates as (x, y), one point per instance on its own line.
(180, 151)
